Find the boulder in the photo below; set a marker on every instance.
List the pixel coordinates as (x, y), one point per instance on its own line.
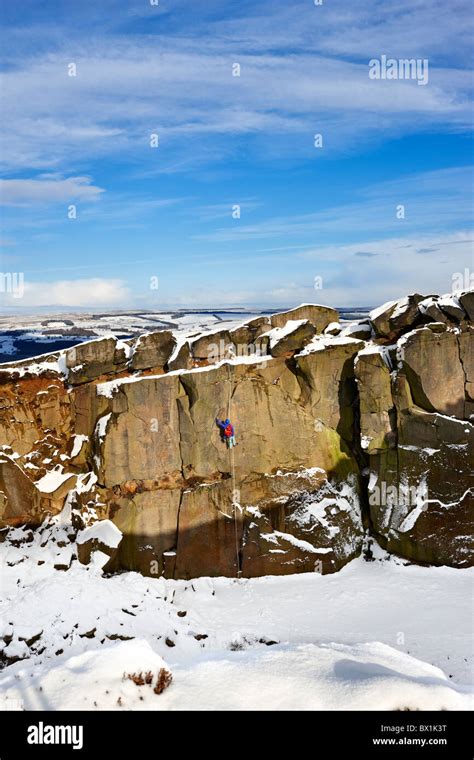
(333, 328)
(248, 332)
(319, 316)
(181, 358)
(88, 361)
(212, 347)
(250, 338)
(360, 330)
(55, 486)
(466, 300)
(102, 536)
(152, 350)
(394, 317)
(452, 307)
(430, 309)
(294, 336)
(437, 327)
(25, 502)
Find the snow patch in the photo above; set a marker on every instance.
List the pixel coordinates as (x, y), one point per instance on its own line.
(53, 480)
(103, 531)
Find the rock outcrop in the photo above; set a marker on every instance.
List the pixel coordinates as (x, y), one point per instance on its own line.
(415, 409)
(340, 430)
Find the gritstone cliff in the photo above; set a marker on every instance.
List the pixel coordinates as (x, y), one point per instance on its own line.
(341, 430)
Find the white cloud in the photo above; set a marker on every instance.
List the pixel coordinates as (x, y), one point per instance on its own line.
(135, 86)
(47, 189)
(71, 293)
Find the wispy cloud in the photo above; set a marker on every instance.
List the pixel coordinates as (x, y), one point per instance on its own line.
(24, 192)
(136, 84)
(446, 200)
(225, 140)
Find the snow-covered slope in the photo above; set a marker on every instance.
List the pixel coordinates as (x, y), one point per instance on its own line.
(376, 635)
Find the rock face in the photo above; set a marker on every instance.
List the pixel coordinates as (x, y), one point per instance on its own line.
(367, 429)
(431, 362)
(415, 403)
(20, 499)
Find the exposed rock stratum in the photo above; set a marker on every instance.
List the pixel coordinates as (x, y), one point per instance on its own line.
(341, 432)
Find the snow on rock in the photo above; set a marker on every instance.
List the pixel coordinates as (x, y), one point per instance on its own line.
(277, 333)
(85, 482)
(53, 479)
(333, 328)
(426, 303)
(449, 299)
(50, 364)
(125, 347)
(180, 341)
(299, 543)
(17, 650)
(101, 427)
(103, 531)
(375, 313)
(308, 471)
(321, 342)
(79, 440)
(383, 351)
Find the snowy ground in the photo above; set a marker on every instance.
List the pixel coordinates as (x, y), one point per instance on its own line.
(377, 635)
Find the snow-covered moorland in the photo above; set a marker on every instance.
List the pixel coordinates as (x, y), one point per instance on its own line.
(377, 635)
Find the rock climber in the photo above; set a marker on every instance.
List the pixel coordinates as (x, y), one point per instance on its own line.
(227, 432)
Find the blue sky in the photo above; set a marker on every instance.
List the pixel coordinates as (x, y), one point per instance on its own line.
(166, 212)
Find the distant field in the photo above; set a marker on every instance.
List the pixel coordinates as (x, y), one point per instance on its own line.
(27, 336)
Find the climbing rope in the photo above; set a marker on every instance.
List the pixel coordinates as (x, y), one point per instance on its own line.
(235, 504)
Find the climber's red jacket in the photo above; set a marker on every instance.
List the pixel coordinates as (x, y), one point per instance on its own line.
(226, 426)
(229, 430)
